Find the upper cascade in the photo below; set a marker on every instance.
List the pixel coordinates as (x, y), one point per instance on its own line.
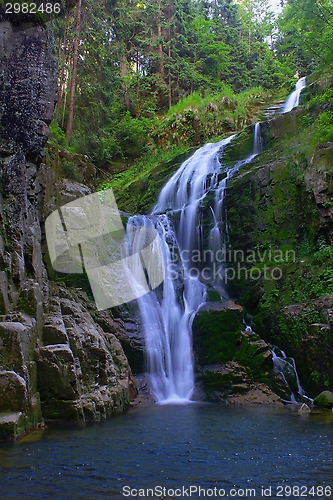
(293, 99)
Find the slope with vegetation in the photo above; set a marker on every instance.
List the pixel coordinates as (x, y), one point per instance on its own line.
(131, 62)
(280, 216)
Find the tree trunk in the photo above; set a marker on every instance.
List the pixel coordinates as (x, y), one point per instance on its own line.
(169, 79)
(69, 128)
(160, 44)
(62, 59)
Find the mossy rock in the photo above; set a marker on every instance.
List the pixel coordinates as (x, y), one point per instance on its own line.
(255, 355)
(216, 335)
(240, 147)
(324, 400)
(225, 378)
(68, 411)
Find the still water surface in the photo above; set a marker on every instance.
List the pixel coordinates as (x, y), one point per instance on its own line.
(206, 445)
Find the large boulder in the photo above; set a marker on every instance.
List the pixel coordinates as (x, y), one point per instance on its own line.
(232, 361)
(86, 376)
(324, 400)
(13, 392)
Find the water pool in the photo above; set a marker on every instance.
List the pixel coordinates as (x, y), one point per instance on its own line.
(237, 450)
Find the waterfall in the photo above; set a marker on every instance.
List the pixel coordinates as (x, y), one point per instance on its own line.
(293, 99)
(257, 139)
(167, 312)
(286, 368)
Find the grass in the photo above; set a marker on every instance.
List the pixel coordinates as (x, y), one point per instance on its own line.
(193, 121)
(141, 168)
(198, 101)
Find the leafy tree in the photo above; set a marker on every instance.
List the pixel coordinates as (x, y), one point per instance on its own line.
(306, 31)
(137, 58)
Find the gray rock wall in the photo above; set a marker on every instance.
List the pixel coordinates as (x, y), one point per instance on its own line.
(55, 361)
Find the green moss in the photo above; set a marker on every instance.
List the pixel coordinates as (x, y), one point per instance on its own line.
(62, 410)
(213, 296)
(136, 189)
(218, 381)
(271, 204)
(324, 400)
(216, 335)
(240, 147)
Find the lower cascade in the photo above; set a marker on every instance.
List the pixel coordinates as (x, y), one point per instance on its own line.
(285, 367)
(168, 311)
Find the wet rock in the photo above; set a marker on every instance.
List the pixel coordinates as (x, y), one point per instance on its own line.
(88, 376)
(324, 400)
(256, 394)
(304, 409)
(28, 69)
(54, 331)
(229, 359)
(58, 372)
(70, 191)
(13, 392)
(11, 425)
(46, 342)
(280, 386)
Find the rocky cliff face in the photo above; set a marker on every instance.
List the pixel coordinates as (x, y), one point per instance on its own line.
(280, 221)
(55, 361)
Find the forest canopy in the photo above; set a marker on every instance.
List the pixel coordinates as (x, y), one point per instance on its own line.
(124, 63)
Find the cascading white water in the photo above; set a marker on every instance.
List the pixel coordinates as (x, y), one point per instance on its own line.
(166, 316)
(286, 367)
(218, 236)
(293, 99)
(257, 139)
(167, 312)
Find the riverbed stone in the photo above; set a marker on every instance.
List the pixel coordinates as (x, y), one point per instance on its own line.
(324, 400)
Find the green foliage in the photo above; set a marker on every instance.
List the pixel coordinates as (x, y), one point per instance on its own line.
(216, 335)
(305, 38)
(139, 59)
(70, 170)
(136, 188)
(57, 136)
(325, 126)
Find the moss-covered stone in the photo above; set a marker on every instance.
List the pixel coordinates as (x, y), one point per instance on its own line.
(324, 400)
(280, 216)
(61, 410)
(216, 335)
(230, 360)
(255, 355)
